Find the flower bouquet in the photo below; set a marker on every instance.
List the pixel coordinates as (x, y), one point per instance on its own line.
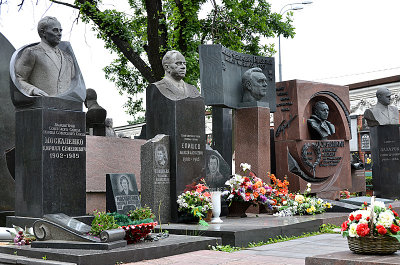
(280, 190)
(302, 204)
(196, 202)
(373, 229)
(246, 190)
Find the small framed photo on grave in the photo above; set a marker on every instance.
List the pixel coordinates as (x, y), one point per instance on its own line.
(122, 194)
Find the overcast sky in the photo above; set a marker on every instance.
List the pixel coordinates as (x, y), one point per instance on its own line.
(337, 42)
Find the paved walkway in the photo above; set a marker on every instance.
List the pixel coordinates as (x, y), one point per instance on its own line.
(291, 252)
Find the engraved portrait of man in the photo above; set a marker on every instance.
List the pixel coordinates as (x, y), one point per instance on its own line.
(160, 155)
(214, 178)
(318, 125)
(124, 186)
(44, 69)
(382, 113)
(254, 85)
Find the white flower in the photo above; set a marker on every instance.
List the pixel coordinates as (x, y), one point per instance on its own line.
(299, 198)
(295, 204)
(308, 190)
(284, 202)
(380, 204)
(385, 218)
(245, 166)
(320, 201)
(353, 230)
(308, 185)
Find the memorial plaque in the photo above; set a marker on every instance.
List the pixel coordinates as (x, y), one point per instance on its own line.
(155, 177)
(365, 142)
(221, 73)
(50, 159)
(68, 222)
(7, 128)
(121, 193)
(385, 148)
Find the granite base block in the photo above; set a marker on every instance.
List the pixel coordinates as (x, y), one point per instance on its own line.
(173, 245)
(360, 200)
(350, 258)
(60, 244)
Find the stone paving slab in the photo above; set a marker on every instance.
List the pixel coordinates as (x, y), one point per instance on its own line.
(350, 258)
(6, 259)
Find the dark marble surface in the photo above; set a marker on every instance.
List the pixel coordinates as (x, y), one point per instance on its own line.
(360, 200)
(60, 244)
(222, 133)
(7, 128)
(385, 147)
(221, 73)
(183, 121)
(122, 194)
(50, 161)
(68, 222)
(155, 177)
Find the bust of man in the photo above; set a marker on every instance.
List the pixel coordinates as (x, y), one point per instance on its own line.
(254, 85)
(95, 114)
(318, 125)
(172, 85)
(44, 69)
(382, 113)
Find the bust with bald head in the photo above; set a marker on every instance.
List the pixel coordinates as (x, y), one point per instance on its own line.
(382, 113)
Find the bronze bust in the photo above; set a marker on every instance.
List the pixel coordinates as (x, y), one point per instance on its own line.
(318, 125)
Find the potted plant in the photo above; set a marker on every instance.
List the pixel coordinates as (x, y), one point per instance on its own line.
(243, 191)
(196, 202)
(373, 229)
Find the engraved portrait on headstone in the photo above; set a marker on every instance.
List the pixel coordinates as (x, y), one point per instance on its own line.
(125, 195)
(161, 156)
(254, 85)
(214, 177)
(48, 68)
(382, 113)
(318, 125)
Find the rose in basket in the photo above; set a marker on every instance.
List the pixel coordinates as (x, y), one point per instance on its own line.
(373, 229)
(247, 188)
(196, 202)
(302, 204)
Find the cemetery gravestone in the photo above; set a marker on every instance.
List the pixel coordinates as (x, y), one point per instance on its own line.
(176, 109)
(323, 161)
(7, 128)
(121, 193)
(50, 140)
(217, 171)
(155, 177)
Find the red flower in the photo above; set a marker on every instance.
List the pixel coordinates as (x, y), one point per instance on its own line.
(394, 212)
(344, 225)
(365, 203)
(394, 228)
(358, 217)
(362, 230)
(351, 217)
(367, 218)
(390, 207)
(381, 229)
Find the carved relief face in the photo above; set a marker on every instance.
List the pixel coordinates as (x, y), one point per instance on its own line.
(258, 87)
(124, 184)
(322, 111)
(52, 33)
(384, 98)
(213, 165)
(177, 68)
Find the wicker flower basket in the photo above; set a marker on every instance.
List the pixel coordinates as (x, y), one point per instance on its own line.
(373, 245)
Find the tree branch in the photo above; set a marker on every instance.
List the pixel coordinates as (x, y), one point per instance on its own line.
(65, 4)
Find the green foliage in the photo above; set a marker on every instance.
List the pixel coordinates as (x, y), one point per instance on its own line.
(44, 258)
(368, 181)
(328, 228)
(141, 36)
(141, 214)
(225, 248)
(102, 221)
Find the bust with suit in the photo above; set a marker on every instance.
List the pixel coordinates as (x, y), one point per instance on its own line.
(47, 68)
(382, 113)
(318, 125)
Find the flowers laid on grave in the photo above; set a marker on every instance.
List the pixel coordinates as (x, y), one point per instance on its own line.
(344, 194)
(22, 236)
(280, 190)
(373, 229)
(248, 188)
(195, 201)
(301, 204)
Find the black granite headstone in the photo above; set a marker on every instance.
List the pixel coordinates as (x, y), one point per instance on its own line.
(385, 147)
(217, 170)
(121, 193)
(183, 121)
(68, 222)
(222, 133)
(50, 158)
(221, 73)
(7, 127)
(155, 177)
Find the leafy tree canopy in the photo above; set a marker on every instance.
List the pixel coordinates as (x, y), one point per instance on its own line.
(141, 36)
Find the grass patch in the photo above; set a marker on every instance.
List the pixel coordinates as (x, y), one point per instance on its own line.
(323, 229)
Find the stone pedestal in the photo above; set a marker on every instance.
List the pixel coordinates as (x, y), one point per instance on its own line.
(155, 177)
(183, 121)
(50, 158)
(252, 140)
(385, 147)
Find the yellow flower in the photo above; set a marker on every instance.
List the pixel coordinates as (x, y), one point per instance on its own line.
(328, 205)
(309, 210)
(299, 198)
